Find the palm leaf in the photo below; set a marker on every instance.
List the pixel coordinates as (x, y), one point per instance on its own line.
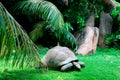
(49, 12)
(68, 36)
(15, 44)
(42, 9)
(37, 32)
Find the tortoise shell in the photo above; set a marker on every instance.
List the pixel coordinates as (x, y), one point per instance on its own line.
(58, 56)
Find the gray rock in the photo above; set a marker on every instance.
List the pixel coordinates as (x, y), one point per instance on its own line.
(105, 27)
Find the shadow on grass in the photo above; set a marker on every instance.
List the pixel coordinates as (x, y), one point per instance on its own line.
(21, 74)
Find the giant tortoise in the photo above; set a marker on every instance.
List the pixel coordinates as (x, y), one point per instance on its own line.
(61, 58)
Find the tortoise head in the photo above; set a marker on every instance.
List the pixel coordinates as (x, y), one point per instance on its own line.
(40, 65)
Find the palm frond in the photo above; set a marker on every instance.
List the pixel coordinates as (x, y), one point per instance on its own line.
(42, 9)
(15, 43)
(68, 37)
(49, 12)
(37, 32)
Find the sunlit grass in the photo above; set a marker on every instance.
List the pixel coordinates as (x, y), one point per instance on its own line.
(104, 65)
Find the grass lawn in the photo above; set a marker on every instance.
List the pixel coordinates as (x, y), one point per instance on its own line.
(104, 65)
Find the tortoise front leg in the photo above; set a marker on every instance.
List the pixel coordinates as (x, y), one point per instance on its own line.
(77, 65)
(82, 64)
(66, 67)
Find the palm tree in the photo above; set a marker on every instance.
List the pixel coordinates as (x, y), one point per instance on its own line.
(14, 42)
(50, 15)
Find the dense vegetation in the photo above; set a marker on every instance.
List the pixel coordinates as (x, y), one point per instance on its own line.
(41, 26)
(27, 23)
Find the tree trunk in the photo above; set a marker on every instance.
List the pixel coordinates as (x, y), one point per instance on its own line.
(105, 27)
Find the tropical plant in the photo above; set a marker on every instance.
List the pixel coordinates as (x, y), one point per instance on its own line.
(42, 9)
(114, 38)
(38, 31)
(82, 9)
(50, 14)
(15, 43)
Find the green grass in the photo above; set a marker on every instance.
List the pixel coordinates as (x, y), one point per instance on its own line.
(104, 65)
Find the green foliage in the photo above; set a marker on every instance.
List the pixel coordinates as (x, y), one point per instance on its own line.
(38, 31)
(114, 13)
(79, 10)
(80, 22)
(66, 37)
(114, 38)
(15, 43)
(117, 5)
(68, 26)
(50, 14)
(2, 31)
(42, 9)
(109, 38)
